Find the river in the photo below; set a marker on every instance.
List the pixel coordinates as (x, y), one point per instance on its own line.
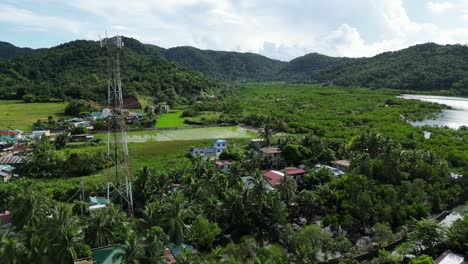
(455, 117)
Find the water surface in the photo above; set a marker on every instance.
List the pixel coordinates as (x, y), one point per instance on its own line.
(455, 117)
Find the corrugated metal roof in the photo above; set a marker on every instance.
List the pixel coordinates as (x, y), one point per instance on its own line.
(12, 160)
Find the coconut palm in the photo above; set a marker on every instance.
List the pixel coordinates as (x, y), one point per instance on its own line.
(63, 233)
(106, 226)
(259, 189)
(12, 249)
(30, 208)
(176, 213)
(287, 188)
(132, 251)
(151, 214)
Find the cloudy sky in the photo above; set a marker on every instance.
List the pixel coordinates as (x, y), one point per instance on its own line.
(281, 29)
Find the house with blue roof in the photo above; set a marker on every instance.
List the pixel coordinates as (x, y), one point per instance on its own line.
(219, 146)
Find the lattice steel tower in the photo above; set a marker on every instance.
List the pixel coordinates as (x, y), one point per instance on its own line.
(119, 178)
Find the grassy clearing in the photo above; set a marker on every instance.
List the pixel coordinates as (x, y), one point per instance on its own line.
(172, 119)
(19, 115)
(186, 134)
(158, 156)
(206, 115)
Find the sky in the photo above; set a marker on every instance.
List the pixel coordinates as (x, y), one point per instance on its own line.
(279, 29)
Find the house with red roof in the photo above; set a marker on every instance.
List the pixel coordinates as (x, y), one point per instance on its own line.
(10, 135)
(295, 173)
(273, 177)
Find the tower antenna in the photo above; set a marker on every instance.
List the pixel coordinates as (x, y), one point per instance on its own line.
(119, 177)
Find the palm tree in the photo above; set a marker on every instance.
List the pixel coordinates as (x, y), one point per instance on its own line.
(176, 213)
(12, 249)
(64, 234)
(132, 251)
(151, 214)
(30, 208)
(259, 189)
(267, 134)
(106, 226)
(287, 188)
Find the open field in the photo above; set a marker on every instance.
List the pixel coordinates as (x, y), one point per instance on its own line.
(172, 119)
(19, 115)
(186, 134)
(159, 156)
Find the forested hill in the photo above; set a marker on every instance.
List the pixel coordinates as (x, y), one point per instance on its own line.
(78, 69)
(9, 51)
(152, 69)
(224, 65)
(422, 67)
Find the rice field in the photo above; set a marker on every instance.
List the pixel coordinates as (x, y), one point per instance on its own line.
(186, 134)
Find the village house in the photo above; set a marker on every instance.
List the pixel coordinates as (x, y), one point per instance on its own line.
(247, 180)
(6, 172)
(257, 143)
(38, 134)
(274, 177)
(81, 138)
(131, 102)
(224, 166)
(10, 135)
(218, 147)
(295, 173)
(449, 257)
(342, 165)
(95, 116)
(12, 160)
(97, 202)
(270, 151)
(335, 171)
(164, 107)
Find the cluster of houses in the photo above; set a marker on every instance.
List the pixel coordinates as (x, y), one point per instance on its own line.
(273, 177)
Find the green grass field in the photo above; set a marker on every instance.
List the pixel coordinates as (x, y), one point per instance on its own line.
(172, 119)
(185, 134)
(19, 115)
(158, 156)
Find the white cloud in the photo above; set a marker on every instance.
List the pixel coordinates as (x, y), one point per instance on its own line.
(275, 28)
(440, 7)
(32, 21)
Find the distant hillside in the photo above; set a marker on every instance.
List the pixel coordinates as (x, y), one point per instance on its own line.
(222, 65)
(9, 51)
(152, 69)
(421, 67)
(78, 69)
(302, 68)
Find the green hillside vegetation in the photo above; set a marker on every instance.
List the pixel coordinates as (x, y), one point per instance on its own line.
(78, 70)
(9, 51)
(429, 67)
(229, 66)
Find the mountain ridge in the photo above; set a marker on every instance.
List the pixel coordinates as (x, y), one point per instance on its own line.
(427, 66)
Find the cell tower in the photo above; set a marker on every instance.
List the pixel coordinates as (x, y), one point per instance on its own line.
(119, 178)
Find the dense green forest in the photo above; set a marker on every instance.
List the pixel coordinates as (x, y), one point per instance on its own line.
(79, 67)
(9, 51)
